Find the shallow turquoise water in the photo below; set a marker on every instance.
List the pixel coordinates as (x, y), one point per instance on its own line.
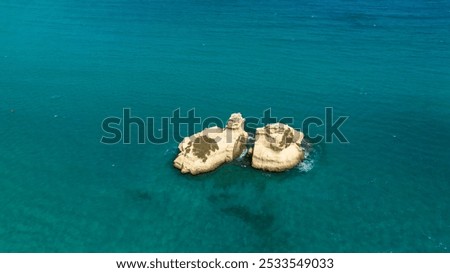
(66, 65)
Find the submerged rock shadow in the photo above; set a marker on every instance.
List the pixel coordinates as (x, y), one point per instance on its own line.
(261, 221)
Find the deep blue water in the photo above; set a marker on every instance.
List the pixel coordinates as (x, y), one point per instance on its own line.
(67, 65)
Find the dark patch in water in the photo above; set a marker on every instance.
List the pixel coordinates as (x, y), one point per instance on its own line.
(259, 221)
(141, 195)
(356, 19)
(219, 197)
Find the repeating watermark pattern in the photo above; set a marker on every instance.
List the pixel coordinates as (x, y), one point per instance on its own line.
(119, 130)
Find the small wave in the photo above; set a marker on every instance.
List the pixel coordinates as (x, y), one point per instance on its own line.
(171, 151)
(311, 157)
(305, 166)
(55, 97)
(243, 154)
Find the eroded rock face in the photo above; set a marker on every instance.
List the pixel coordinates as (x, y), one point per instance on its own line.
(210, 148)
(277, 148)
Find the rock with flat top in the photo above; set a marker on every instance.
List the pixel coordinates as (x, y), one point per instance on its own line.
(207, 150)
(277, 148)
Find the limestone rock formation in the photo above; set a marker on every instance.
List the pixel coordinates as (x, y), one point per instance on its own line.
(277, 148)
(210, 148)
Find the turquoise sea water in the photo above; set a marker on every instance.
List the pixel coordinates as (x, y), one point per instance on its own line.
(66, 65)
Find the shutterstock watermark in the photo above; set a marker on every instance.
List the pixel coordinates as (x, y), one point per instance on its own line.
(129, 129)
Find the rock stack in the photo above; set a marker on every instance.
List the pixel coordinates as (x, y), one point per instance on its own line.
(277, 147)
(210, 148)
